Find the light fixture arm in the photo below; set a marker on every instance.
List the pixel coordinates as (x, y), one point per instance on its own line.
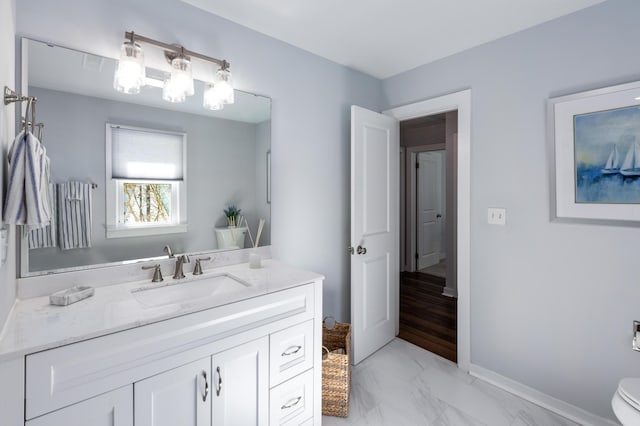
(178, 50)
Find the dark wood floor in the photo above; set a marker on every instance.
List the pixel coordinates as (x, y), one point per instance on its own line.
(427, 318)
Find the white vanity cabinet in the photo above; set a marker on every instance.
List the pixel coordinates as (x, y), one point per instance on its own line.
(252, 362)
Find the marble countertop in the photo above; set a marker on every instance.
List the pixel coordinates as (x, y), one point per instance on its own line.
(35, 325)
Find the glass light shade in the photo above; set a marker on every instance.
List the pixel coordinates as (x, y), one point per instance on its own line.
(211, 100)
(181, 75)
(224, 86)
(173, 92)
(130, 73)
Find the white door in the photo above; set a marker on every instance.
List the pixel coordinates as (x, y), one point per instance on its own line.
(241, 385)
(113, 408)
(374, 230)
(430, 217)
(181, 396)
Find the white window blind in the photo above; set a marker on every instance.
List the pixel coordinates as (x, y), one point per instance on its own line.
(146, 154)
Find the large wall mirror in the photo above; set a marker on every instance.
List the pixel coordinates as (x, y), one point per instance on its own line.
(226, 154)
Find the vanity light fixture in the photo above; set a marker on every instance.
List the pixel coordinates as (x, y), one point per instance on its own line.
(130, 73)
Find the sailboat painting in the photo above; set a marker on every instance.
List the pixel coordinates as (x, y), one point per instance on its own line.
(607, 156)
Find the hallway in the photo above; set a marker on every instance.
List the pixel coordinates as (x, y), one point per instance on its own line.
(427, 318)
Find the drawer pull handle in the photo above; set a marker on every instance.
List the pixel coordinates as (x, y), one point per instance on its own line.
(219, 386)
(290, 403)
(206, 386)
(291, 350)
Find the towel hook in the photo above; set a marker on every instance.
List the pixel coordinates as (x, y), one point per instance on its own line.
(26, 116)
(33, 111)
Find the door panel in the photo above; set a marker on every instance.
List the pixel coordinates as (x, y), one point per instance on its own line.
(113, 408)
(429, 195)
(181, 396)
(241, 385)
(375, 183)
(374, 230)
(376, 282)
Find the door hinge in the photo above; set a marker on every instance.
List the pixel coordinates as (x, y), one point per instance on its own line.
(417, 257)
(417, 165)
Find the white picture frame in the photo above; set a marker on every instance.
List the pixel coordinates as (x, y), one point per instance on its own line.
(565, 133)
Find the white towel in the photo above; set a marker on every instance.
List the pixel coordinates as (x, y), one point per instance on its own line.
(28, 201)
(46, 236)
(74, 215)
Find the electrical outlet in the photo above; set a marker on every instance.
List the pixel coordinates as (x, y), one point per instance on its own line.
(496, 216)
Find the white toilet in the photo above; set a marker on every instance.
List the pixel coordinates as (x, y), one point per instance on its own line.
(626, 401)
(231, 238)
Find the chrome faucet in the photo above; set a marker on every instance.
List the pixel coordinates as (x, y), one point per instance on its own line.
(180, 261)
(167, 249)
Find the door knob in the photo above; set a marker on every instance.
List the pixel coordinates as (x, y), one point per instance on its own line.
(438, 215)
(361, 250)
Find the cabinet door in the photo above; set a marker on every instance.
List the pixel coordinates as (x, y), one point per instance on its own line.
(113, 408)
(181, 396)
(241, 385)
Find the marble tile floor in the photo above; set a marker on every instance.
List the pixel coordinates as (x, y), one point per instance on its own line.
(403, 384)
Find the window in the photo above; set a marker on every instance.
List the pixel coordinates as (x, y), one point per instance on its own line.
(146, 181)
(146, 203)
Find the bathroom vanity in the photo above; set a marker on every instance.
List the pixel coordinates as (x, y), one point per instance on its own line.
(245, 351)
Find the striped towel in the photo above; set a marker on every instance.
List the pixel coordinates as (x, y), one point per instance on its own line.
(28, 201)
(47, 236)
(74, 215)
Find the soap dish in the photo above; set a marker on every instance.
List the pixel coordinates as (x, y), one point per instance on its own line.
(71, 295)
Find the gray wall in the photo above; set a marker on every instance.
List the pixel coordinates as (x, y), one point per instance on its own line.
(551, 303)
(221, 162)
(7, 133)
(310, 115)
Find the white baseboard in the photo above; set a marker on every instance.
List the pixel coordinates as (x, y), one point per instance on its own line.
(556, 405)
(449, 292)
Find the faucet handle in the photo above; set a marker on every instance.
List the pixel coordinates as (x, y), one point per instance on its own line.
(157, 273)
(197, 270)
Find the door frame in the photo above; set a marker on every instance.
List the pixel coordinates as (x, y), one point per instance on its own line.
(460, 101)
(411, 226)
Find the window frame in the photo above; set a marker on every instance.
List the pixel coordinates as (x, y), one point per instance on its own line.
(114, 191)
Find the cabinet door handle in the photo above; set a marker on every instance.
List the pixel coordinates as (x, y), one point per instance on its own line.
(206, 386)
(361, 250)
(291, 350)
(290, 403)
(219, 386)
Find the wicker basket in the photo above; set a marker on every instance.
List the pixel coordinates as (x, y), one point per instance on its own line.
(336, 370)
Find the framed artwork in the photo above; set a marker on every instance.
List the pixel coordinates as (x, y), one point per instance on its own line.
(596, 137)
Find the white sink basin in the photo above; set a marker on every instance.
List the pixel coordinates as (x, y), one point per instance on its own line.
(187, 291)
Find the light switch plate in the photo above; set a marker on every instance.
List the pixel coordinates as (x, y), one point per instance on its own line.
(497, 216)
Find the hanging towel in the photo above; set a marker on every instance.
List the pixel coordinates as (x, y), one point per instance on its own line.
(46, 236)
(28, 201)
(74, 215)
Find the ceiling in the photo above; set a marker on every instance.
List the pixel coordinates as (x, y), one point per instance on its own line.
(383, 38)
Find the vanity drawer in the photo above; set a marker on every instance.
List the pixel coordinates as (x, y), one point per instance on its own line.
(290, 352)
(291, 403)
